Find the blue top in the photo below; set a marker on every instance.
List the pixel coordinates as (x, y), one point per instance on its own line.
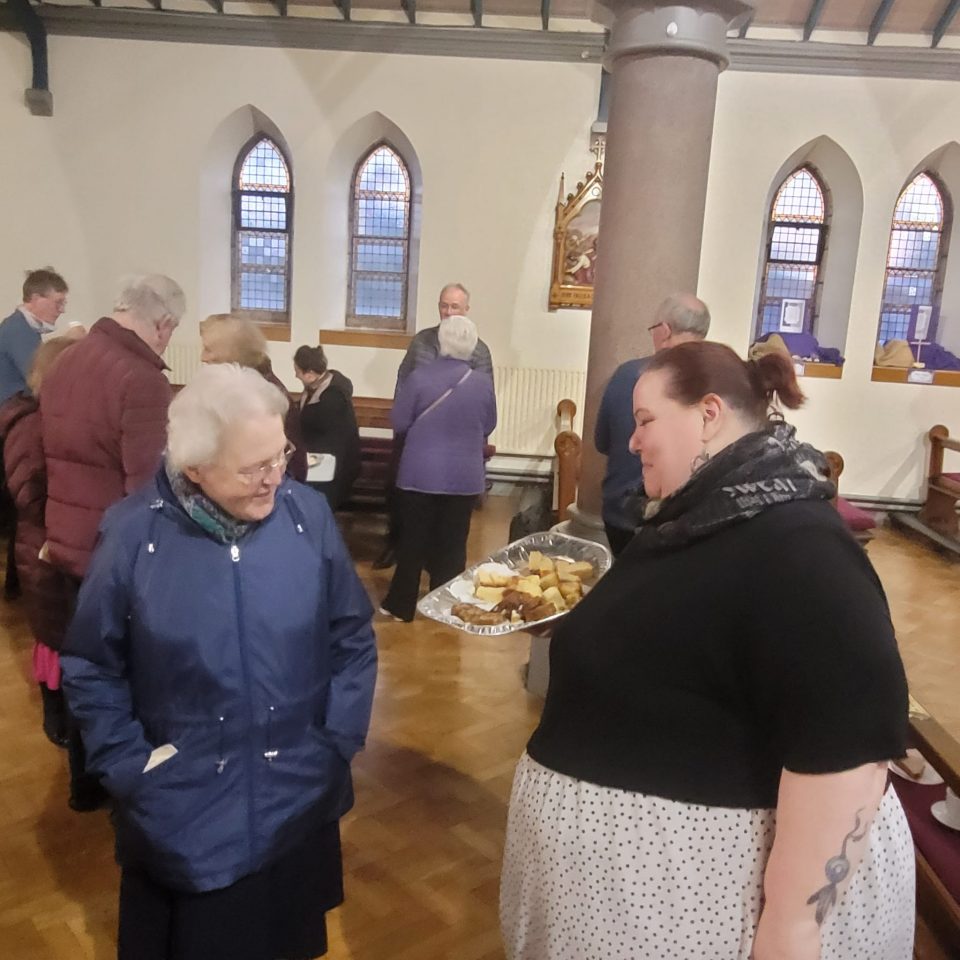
(256, 660)
(18, 343)
(614, 428)
(443, 449)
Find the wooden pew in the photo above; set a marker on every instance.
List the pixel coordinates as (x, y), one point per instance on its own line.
(939, 511)
(938, 913)
(861, 523)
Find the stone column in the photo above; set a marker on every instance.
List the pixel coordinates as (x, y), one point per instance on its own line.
(664, 60)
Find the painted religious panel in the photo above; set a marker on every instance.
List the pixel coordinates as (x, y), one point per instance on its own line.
(575, 234)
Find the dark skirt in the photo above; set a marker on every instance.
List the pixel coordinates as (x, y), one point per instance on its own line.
(276, 913)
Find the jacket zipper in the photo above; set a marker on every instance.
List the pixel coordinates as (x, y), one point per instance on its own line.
(244, 666)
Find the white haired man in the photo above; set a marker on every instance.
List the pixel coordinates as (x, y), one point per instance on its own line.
(104, 414)
(454, 301)
(679, 318)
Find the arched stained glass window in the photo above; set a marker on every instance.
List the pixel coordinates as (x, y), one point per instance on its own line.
(796, 239)
(379, 266)
(262, 208)
(916, 257)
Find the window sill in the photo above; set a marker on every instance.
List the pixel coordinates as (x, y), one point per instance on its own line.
(918, 376)
(816, 370)
(367, 338)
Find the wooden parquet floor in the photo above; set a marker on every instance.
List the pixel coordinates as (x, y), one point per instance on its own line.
(422, 846)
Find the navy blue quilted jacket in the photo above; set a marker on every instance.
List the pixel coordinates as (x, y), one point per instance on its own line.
(257, 661)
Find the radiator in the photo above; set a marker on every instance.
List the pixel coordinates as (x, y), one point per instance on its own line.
(527, 399)
(183, 359)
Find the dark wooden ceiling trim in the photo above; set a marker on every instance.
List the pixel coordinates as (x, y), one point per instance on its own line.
(946, 18)
(813, 18)
(769, 56)
(879, 18)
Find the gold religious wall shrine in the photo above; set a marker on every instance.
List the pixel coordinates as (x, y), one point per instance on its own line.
(575, 233)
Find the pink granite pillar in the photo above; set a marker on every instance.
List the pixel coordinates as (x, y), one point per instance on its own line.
(665, 60)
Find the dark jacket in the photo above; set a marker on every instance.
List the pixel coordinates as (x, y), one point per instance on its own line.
(104, 410)
(46, 594)
(614, 427)
(297, 465)
(257, 661)
(328, 424)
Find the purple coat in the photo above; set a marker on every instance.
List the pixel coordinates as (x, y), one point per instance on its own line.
(443, 451)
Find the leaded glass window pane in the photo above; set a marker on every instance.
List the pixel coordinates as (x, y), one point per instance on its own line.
(380, 246)
(797, 232)
(261, 242)
(913, 257)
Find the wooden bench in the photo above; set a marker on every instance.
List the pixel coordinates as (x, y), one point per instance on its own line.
(939, 511)
(861, 523)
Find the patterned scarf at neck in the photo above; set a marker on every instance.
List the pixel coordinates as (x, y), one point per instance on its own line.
(754, 473)
(208, 515)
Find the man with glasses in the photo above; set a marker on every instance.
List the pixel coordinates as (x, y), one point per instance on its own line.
(680, 318)
(44, 300)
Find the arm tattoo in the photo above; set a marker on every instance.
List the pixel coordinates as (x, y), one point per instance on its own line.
(836, 870)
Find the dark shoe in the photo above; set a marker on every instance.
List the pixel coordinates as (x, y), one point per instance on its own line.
(54, 716)
(386, 559)
(87, 796)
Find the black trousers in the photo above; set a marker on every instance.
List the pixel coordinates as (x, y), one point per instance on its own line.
(618, 538)
(433, 537)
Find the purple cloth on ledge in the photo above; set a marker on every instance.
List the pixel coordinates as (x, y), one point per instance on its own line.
(806, 345)
(935, 357)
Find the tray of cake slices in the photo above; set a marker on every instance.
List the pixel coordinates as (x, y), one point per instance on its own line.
(534, 580)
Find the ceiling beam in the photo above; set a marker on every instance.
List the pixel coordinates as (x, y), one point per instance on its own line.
(879, 19)
(813, 18)
(545, 14)
(476, 8)
(410, 9)
(946, 18)
(38, 97)
(746, 25)
(344, 7)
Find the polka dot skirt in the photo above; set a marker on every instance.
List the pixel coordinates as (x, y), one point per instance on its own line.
(594, 873)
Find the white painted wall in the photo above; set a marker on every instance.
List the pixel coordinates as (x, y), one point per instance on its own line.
(125, 177)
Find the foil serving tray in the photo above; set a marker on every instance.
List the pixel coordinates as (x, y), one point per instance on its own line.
(436, 604)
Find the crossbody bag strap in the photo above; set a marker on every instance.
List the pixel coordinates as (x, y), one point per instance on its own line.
(443, 396)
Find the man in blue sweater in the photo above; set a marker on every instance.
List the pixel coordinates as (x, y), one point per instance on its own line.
(44, 299)
(679, 318)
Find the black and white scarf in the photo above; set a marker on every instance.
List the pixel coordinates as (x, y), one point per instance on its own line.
(751, 475)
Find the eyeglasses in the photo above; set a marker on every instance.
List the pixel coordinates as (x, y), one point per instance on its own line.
(259, 473)
(659, 323)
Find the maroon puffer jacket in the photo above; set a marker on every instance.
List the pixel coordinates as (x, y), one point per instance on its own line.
(47, 595)
(104, 409)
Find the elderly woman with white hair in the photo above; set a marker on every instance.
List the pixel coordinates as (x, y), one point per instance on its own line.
(444, 410)
(221, 665)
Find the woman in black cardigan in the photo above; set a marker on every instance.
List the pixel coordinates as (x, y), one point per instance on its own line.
(328, 423)
(708, 779)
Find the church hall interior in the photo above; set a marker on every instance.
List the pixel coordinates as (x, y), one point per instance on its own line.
(321, 172)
